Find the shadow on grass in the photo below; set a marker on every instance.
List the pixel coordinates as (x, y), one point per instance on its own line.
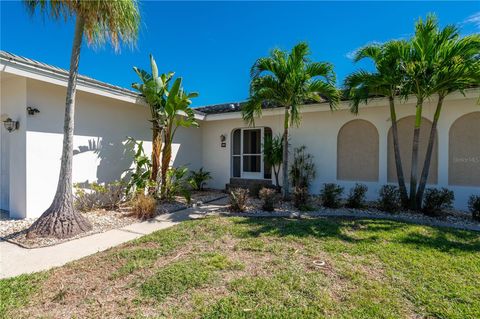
(364, 231)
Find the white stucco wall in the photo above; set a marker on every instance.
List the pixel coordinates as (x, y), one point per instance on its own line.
(101, 129)
(13, 146)
(319, 130)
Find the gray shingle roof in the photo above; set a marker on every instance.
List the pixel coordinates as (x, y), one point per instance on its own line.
(63, 72)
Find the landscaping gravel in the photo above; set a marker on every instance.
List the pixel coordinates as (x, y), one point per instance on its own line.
(454, 219)
(14, 230)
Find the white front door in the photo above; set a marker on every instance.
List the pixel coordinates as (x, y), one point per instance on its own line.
(252, 157)
(247, 153)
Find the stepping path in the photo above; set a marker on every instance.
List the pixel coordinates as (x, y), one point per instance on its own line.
(15, 260)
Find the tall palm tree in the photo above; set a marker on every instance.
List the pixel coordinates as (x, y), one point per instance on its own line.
(153, 88)
(176, 113)
(386, 81)
(457, 68)
(99, 20)
(288, 80)
(420, 65)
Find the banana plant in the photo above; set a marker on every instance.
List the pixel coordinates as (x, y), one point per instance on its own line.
(153, 88)
(176, 113)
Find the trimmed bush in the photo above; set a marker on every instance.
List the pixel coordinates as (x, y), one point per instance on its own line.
(389, 198)
(144, 206)
(300, 198)
(268, 196)
(474, 206)
(437, 201)
(238, 199)
(331, 194)
(357, 196)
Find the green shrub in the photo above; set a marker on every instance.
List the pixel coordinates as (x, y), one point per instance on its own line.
(177, 184)
(474, 206)
(300, 198)
(268, 196)
(302, 171)
(331, 195)
(437, 201)
(198, 179)
(238, 199)
(357, 196)
(139, 176)
(389, 198)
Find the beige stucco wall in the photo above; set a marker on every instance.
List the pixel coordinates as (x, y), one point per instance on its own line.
(464, 151)
(357, 152)
(319, 130)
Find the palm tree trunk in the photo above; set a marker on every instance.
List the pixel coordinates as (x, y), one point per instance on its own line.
(285, 188)
(398, 159)
(428, 156)
(60, 219)
(156, 147)
(166, 157)
(415, 146)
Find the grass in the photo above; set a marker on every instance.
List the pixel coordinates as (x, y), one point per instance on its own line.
(264, 268)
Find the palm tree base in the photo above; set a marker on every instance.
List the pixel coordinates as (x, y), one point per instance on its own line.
(60, 222)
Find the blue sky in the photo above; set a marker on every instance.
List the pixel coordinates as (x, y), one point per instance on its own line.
(212, 45)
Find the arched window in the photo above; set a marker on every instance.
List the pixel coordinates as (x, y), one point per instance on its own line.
(464, 151)
(405, 138)
(357, 151)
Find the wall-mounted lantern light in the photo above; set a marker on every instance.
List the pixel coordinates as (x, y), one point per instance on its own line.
(223, 139)
(32, 110)
(11, 125)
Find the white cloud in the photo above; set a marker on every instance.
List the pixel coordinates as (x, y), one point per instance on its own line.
(473, 19)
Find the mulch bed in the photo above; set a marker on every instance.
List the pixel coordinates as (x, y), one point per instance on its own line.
(14, 230)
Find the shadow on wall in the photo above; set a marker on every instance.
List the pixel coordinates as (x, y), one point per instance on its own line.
(111, 156)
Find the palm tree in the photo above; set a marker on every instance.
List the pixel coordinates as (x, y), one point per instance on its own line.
(100, 21)
(153, 88)
(176, 113)
(457, 68)
(386, 81)
(288, 80)
(420, 65)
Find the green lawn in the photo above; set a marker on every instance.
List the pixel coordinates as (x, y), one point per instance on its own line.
(264, 268)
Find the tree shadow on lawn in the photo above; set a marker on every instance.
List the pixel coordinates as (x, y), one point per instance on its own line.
(365, 231)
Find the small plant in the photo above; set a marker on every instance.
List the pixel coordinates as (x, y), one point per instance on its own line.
(139, 179)
(238, 199)
(437, 201)
(144, 206)
(331, 195)
(95, 196)
(198, 179)
(302, 171)
(300, 198)
(474, 206)
(273, 154)
(268, 197)
(389, 198)
(357, 196)
(176, 184)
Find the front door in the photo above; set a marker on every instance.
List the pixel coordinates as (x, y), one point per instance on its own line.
(252, 153)
(247, 156)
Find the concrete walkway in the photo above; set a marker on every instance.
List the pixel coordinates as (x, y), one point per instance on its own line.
(15, 260)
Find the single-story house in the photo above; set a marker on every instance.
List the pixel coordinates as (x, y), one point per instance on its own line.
(346, 148)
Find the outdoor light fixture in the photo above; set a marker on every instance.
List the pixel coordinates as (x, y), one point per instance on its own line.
(10, 124)
(223, 138)
(32, 110)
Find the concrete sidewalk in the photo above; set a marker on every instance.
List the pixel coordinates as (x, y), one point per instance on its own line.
(15, 260)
